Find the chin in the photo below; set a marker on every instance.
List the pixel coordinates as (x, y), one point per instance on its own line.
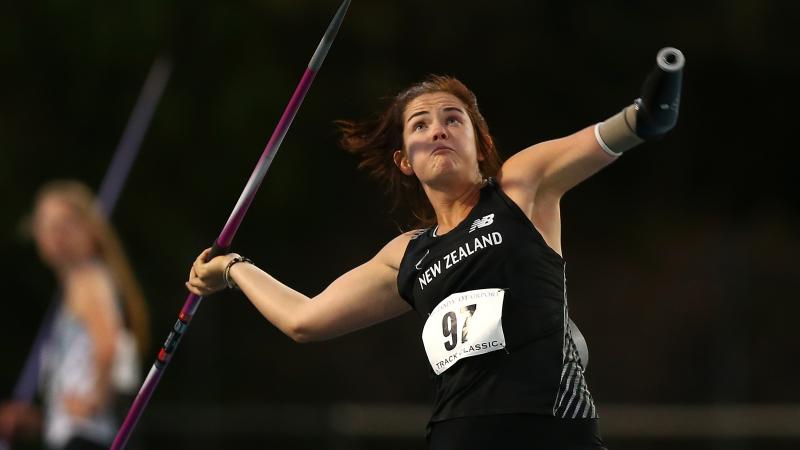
(447, 175)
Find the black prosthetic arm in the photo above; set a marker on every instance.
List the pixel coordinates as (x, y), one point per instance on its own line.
(651, 115)
(657, 108)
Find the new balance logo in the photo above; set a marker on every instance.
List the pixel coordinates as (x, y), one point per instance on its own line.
(482, 222)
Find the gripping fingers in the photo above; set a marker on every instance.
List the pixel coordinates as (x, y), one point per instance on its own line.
(197, 283)
(200, 265)
(197, 286)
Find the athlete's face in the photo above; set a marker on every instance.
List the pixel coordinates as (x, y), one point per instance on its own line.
(61, 234)
(439, 139)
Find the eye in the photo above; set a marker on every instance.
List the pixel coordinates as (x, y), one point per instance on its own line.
(453, 120)
(419, 126)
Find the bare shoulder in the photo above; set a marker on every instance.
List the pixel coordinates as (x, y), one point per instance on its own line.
(524, 176)
(523, 169)
(93, 277)
(392, 253)
(91, 289)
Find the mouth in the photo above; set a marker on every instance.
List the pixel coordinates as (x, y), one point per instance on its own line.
(442, 148)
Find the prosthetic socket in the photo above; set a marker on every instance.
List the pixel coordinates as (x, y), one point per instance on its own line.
(651, 115)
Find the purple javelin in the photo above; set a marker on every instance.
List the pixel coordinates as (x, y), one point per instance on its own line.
(132, 137)
(223, 242)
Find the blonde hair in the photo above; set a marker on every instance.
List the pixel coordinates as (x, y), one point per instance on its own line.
(109, 249)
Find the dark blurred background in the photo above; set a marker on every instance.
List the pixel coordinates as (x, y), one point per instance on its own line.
(681, 255)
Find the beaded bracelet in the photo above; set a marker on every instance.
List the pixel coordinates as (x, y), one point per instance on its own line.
(228, 280)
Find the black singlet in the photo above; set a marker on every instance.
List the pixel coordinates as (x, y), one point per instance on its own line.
(515, 432)
(497, 246)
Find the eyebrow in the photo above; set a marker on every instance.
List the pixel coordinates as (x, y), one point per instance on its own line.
(447, 109)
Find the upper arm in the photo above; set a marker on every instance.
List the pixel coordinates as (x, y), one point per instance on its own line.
(536, 178)
(551, 168)
(93, 302)
(364, 296)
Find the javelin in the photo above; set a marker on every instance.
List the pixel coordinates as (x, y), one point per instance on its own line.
(131, 140)
(223, 242)
(110, 189)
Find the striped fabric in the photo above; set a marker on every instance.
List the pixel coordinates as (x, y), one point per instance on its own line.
(573, 399)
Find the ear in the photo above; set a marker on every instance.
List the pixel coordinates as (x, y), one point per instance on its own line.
(402, 163)
(479, 150)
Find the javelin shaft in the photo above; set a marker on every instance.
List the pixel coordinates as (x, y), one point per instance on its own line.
(223, 241)
(232, 225)
(135, 130)
(251, 188)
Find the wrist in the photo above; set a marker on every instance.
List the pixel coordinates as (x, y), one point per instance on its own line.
(227, 273)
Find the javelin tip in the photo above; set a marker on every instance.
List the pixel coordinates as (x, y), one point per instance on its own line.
(330, 35)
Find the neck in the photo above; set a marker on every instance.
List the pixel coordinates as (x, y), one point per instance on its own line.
(452, 204)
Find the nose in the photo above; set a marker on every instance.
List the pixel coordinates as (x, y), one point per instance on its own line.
(439, 132)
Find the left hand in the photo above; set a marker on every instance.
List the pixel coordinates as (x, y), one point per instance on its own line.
(19, 418)
(207, 277)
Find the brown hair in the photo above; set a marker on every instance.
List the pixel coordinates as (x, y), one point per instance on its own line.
(375, 140)
(109, 248)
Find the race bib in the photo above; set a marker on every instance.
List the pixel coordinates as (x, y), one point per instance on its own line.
(462, 325)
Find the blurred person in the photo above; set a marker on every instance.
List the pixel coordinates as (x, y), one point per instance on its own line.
(100, 328)
(484, 271)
